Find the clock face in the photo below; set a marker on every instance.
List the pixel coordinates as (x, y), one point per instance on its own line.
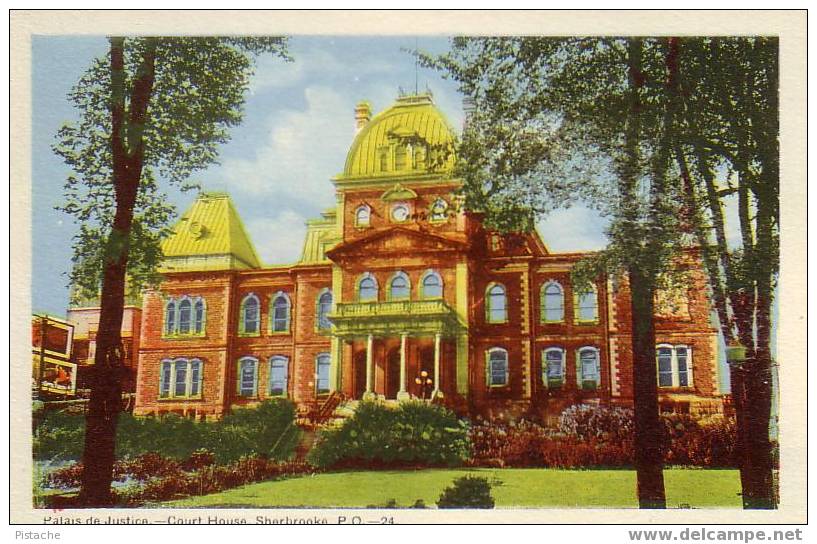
(400, 212)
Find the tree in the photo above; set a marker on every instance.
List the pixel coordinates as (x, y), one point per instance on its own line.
(155, 108)
(727, 146)
(696, 123)
(559, 119)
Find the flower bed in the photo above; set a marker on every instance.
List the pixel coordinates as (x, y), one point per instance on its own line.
(598, 436)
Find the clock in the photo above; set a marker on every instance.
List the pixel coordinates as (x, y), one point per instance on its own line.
(400, 212)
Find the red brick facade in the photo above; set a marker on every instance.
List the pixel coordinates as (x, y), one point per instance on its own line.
(413, 230)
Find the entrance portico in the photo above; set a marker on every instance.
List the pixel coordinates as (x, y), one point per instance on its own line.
(397, 348)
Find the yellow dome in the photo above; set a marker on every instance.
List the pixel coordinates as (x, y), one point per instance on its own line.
(410, 138)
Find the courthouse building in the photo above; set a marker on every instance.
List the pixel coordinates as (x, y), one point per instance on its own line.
(401, 294)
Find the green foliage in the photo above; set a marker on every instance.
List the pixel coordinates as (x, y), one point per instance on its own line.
(467, 492)
(268, 430)
(415, 433)
(196, 96)
(58, 436)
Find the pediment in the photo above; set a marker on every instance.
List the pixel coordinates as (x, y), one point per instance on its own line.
(398, 192)
(395, 241)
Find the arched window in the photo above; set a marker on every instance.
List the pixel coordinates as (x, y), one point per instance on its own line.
(553, 367)
(674, 365)
(198, 316)
(322, 364)
(553, 303)
(587, 307)
(280, 312)
(170, 317)
(278, 375)
(588, 368)
(497, 366)
(439, 210)
(431, 285)
(180, 378)
(400, 287)
(496, 307)
(367, 288)
(247, 376)
(324, 309)
(185, 309)
(250, 315)
(363, 216)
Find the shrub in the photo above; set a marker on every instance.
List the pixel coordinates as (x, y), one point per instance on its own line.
(58, 436)
(589, 422)
(268, 430)
(414, 433)
(467, 492)
(155, 478)
(599, 436)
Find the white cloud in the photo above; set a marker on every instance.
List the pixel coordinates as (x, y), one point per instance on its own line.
(278, 239)
(573, 229)
(304, 148)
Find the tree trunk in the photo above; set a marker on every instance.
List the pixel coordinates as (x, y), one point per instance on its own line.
(106, 375)
(649, 433)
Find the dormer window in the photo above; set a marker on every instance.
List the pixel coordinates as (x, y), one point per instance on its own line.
(439, 211)
(363, 216)
(400, 154)
(418, 158)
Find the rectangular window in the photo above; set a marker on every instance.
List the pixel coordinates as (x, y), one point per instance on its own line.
(497, 368)
(195, 378)
(247, 374)
(278, 376)
(588, 368)
(180, 387)
(554, 365)
(322, 373)
(165, 379)
(683, 369)
(664, 367)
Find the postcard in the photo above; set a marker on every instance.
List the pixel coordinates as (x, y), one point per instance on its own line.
(330, 267)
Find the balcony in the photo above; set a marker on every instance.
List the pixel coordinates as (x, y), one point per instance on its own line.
(356, 319)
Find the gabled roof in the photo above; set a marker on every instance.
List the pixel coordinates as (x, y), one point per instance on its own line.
(396, 240)
(210, 235)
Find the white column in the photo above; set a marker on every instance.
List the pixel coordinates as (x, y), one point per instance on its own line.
(369, 394)
(403, 394)
(437, 391)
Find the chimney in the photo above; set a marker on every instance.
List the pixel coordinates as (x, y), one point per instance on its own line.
(363, 113)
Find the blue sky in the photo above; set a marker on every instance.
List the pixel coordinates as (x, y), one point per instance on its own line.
(297, 128)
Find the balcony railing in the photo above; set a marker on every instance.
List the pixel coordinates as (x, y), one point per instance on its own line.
(392, 308)
(421, 316)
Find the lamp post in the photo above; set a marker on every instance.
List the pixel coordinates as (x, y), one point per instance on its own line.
(424, 382)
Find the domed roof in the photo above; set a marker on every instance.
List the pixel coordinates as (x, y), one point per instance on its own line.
(412, 120)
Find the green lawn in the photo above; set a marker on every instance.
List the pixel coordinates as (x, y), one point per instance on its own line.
(511, 488)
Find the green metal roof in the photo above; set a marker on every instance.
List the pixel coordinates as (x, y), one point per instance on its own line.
(410, 116)
(210, 228)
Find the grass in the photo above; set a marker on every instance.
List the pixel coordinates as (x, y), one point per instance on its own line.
(526, 488)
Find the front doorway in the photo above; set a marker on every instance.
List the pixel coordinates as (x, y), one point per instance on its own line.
(393, 373)
(359, 380)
